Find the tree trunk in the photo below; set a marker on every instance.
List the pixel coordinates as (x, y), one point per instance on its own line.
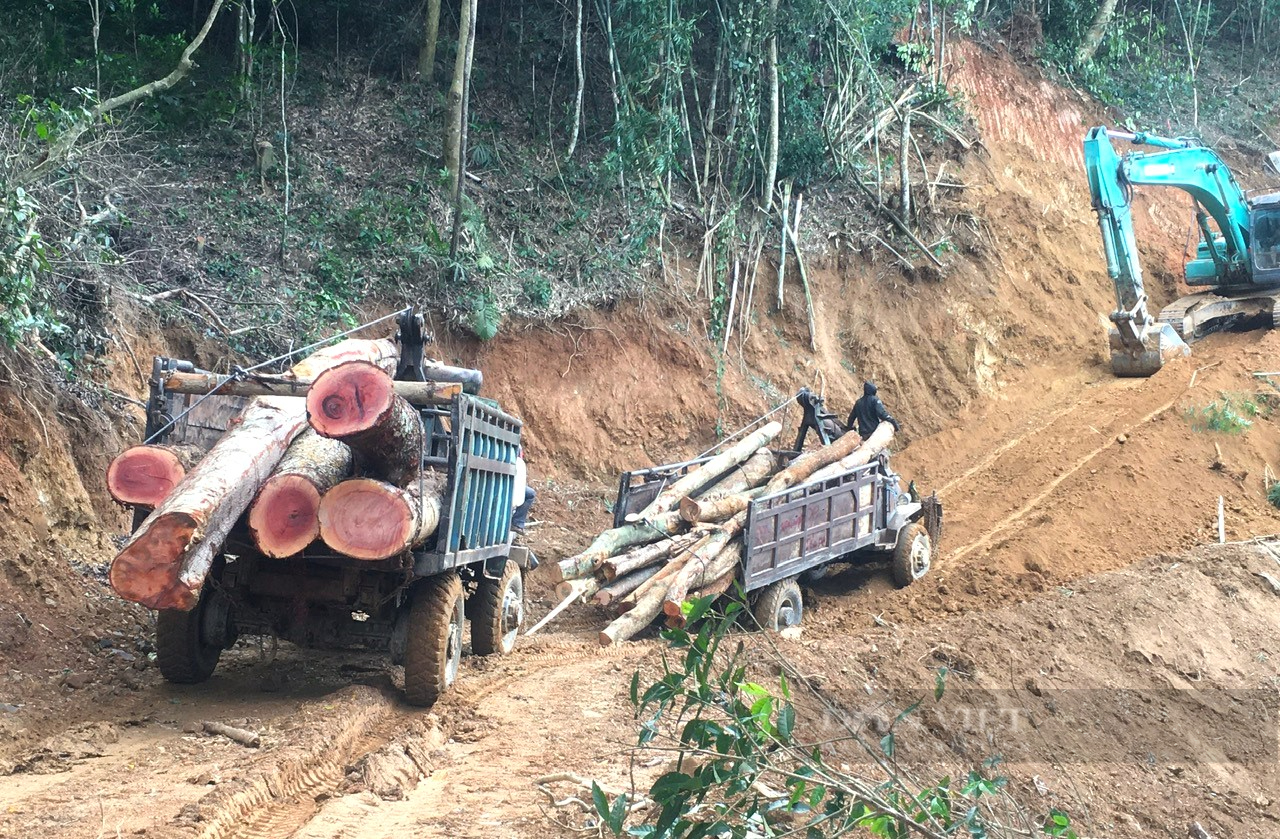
(642, 557)
(775, 108)
(455, 127)
(712, 580)
(695, 570)
(718, 510)
(750, 474)
(164, 564)
(582, 588)
(806, 464)
(285, 517)
(872, 446)
(356, 403)
(577, 108)
(648, 605)
(367, 519)
(143, 476)
(624, 585)
(431, 34)
(615, 541)
(709, 471)
(1097, 31)
(421, 394)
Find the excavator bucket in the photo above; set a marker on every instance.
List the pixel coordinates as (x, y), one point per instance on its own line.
(1159, 344)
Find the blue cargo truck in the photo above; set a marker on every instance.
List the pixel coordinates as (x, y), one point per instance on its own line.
(412, 607)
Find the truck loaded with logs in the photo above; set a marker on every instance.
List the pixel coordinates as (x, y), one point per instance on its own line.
(362, 498)
(754, 521)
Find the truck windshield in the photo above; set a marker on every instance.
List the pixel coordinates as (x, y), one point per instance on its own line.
(1266, 239)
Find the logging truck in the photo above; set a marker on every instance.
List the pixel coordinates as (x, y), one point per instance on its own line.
(852, 510)
(376, 518)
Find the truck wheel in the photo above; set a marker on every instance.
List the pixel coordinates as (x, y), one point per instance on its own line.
(779, 605)
(183, 654)
(433, 646)
(497, 612)
(912, 555)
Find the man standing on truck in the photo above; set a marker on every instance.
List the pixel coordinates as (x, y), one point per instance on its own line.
(868, 412)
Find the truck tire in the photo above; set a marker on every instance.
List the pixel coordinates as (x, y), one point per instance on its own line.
(779, 605)
(182, 653)
(433, 644)
(497, 612)
(913, 554)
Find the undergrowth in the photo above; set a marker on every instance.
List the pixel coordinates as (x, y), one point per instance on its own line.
(1230, 414)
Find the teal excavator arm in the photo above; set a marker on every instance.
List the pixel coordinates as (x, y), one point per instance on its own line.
(1139, 346)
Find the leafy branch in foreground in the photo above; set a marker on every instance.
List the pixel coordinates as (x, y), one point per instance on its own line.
(740, 769)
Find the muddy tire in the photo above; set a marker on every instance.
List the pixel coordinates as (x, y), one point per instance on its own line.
(184, 657)
(433, 644)
(913, 554)
(779, 605)
(497, 612)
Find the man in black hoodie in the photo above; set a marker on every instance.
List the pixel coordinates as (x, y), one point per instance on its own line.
(868, 412)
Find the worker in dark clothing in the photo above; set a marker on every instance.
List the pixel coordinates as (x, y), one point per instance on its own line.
(868, 412)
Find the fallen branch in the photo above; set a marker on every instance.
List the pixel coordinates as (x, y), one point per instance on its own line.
(245, 738)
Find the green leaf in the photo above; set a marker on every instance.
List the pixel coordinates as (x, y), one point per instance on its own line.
(786, 722)
(886, 745)
(940, 684)
(617, 814)
(601, 802)
(635, 688)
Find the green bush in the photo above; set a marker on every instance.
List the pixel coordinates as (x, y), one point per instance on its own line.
(1228, 415)
(1273, 494)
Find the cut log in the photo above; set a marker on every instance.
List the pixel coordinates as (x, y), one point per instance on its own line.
(865, 453)
(709, 471)
(581, 589)
(471, 380)
(382, 352)
(615, 541)
(806, 464)
(356, 403)
(143, 476)
(644, 556)
(699, 571)
(624, 585)
(750, 474)
(718, 510)
(285, 517)
(422, 394)
(164, 564)
(648, 605)
(364, 518)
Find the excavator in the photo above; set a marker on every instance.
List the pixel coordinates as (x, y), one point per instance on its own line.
(1239, 262)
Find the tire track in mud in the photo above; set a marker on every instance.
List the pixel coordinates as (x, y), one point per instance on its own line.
(279, 800)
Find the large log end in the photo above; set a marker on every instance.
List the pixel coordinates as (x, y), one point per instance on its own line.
(690, 510)
(366, 519)
(147, 570)
(285, 518)
(672, 609)
(349, 398)
(144, 475)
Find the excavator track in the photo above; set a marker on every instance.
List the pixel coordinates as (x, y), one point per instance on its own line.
(1195, 315)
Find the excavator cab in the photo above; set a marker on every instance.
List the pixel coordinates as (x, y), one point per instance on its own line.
(1265, 236)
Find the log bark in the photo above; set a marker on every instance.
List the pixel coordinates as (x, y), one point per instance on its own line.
(806, 464)
(285, 517)
(648, 605)
(699, 572)
(581, 589)
(714, 588)
(872, 446)
(750, 474)
(369, 519)
(707, 472)
(421, 394)
(164, 564)
(694, 571)
(644, 556)
(143, 476)
(615, 541)
(624, 585)
(356, 403)
(718, 510)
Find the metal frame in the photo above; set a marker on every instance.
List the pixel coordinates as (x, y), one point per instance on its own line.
(812, 524)
(638, 488)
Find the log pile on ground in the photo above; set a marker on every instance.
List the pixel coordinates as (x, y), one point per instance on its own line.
(688, 541)
(336, 455)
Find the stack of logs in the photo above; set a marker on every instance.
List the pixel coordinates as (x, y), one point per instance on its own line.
(338, 459)
(688, 541)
